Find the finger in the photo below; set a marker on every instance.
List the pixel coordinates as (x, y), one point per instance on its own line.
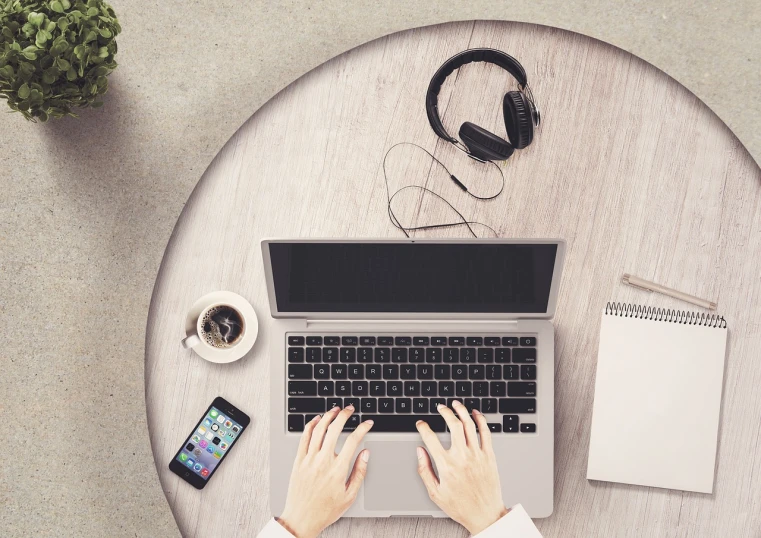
(335, 429)
(469, 427)
(352, 442)
(425, 470)
(358, 473)
(454, 425)
(319, 431)
(483, 430)
(430, 439)
(307, 436)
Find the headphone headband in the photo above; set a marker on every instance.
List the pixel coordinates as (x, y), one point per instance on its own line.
(492, 56)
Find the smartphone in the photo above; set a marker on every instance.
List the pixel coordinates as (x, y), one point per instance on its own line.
(209, 443)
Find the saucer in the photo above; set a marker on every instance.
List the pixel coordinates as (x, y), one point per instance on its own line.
(222, 356)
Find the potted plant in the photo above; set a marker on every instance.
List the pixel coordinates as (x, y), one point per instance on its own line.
(55, 55)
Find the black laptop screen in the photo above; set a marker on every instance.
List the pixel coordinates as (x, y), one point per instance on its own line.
(412, 277)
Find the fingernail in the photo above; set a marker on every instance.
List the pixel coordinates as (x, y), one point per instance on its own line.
(365, 455)
(418, 423)
(420, 453)
(456, 404)
(476, 412)
(439, 406)
(370, 422)
(350, 406)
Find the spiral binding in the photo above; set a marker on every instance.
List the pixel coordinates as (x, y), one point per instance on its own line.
(626, 310)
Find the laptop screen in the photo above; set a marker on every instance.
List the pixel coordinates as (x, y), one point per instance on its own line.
(412, 277)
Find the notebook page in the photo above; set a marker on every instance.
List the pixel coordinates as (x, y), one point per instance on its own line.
(657, 403)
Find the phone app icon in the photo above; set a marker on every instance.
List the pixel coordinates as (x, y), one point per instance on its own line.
(204, 472)
(214, 427)
(213, 413)
(231, 435)
(183, 457)
(197, 452)
(216, 440)
(228, 424)
(236, 429)
(196, 439)
(207, 422)
(190, 462)
(197, 467)
(217, 454)
(189, 447)
(203, 444)
(223, 445)
(221, 433)
(202, 430)
(209, 449)
(210, 435)
(221, 419)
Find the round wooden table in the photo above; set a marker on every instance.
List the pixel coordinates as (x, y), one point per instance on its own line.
(628, 166)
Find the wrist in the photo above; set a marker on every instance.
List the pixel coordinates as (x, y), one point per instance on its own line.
(293, 525)
(489, 518)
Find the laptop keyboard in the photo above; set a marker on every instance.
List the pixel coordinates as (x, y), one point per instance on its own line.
(397, 380)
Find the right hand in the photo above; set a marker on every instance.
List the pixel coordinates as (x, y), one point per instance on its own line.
(467, 487)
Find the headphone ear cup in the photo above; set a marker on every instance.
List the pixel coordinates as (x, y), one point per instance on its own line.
(518, 122)
(483, 144)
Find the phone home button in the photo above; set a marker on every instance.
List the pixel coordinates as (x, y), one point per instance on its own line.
(187, 473)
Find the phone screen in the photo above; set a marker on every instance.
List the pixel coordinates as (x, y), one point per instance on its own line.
(209, 442)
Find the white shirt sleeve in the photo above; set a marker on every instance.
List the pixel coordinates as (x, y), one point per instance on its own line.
(514, 524)
(273, 529)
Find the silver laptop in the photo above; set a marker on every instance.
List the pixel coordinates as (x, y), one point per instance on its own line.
(396, 327)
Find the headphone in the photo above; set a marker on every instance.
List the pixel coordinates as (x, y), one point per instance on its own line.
(519, 109)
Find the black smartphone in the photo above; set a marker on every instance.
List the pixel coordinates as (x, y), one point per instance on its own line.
(209, 443)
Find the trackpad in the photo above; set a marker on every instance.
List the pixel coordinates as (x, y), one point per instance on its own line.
(392, 483)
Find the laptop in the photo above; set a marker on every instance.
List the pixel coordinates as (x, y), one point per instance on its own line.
(396, 327)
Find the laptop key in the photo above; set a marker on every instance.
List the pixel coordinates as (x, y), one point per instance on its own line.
(407, 371)
(386, 405)
(395, 388)
(353, 402)
(451, 354)
(492, 340)
(349, 341)
(488, 405)
(321, 371)
(356, 371)
(522, 355)
(325, 388)
(420, 406)
(302, 388)
(330, 354)
(459, 372)
(390, 371)
(299, 371)
(306, 405)
(494, 371)
(295, 354)
(480, 389)
(468, 354)
(498, 389)
(456, 341)
(446, 388)
(359, 388)
(517, 405)
(373, 371)
(404, 423)
(438, 340)
(403, 405)
(474, 341)
(495, 427)
(348, 354)
(442, 371)
(528, 371)
(510, 424)
(338, 371)
(366, 340)
(399, 354)
(382, 354)
(314, 354)
(521, 388)
(412, 388)
(385, 340)
(463, 388)
(485, 354)
(425, 371)
(295, 340)
(332, 341)
(528, 427)
(472, 403)
(295, 423)
(528, 341)
(334, 402)
(476, 371)
(365, 354)
(343, 388)
(433, 354)
(352, 423)
(369, 405)
(510, 371)
(378, 388)
(509, 340)
(502, 354)
(314, 340)
(421, 340)
(403, 341)
(435, 402)
(417, 354)
(429, 388)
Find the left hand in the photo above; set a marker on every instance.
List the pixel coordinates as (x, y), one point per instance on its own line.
(318, 493)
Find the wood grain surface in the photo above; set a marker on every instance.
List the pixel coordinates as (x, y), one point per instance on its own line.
(628, 166)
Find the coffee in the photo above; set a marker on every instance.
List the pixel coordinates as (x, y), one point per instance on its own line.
(222, 326)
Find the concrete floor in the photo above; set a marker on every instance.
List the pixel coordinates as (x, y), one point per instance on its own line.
(87, 206)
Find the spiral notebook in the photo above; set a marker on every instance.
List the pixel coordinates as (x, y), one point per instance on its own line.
(657, 400)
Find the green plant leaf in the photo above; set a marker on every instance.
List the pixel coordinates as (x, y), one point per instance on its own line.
(29, 55)
(91, 12)
(105, 32)
(71, 74)
(23, 91)
(56, 6)
(63, 24)
(36, 18)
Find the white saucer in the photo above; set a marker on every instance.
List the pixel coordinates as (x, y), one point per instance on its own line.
(251, 330)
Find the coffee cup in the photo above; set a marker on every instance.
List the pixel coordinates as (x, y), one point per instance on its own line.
(221, 327)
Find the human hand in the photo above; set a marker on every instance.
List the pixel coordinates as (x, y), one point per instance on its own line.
(467, 487)
(318, 492)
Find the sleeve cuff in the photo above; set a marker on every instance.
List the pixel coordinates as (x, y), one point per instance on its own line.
(515, 524)
(273, 529)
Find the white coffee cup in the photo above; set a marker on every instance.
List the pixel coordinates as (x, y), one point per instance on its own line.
(197, 338)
